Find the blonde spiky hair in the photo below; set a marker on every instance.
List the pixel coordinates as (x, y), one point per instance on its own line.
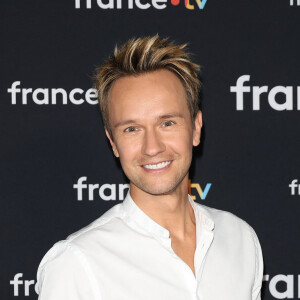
(147, 54)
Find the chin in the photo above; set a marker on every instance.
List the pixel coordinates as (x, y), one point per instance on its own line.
(157, 192)
(158, 188)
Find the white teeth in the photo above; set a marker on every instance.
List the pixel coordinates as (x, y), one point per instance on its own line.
(157, 166)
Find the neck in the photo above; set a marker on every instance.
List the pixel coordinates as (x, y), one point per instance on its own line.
(172, 211)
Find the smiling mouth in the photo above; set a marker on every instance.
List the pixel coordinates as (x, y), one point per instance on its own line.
(157, 166)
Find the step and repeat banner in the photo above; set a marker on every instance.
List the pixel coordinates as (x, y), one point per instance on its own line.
(58, 173)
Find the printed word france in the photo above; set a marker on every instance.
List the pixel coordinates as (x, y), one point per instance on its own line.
(112, 192)
(295, 187)
(280, 286)
(279, 98)
(139, 4)
(45, 96)
(107, 192)
(294, 2)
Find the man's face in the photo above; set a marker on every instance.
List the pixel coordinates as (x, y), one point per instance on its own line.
(152, 130)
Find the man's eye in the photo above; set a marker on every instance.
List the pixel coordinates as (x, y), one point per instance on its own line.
(130, 129)
(168, 123)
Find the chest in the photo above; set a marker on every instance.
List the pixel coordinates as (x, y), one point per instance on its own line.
(147, 270)
(185, 249)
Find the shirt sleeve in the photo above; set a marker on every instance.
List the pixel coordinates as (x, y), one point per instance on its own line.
(64, 274)
(259, 266)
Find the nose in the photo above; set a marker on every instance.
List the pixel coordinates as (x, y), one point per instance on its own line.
(152, 143)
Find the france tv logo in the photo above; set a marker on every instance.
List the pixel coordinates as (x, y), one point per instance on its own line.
(137, 4)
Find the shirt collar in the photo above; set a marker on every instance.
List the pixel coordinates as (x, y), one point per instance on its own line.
(203, 219)
(144, 221)
(202, 216)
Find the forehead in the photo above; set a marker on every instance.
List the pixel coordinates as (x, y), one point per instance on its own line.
(146, 96)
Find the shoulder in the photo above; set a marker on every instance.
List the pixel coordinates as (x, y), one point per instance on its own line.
(68, 256)
(108, 220)
(236, 243)
(226, 221)
(233, 232)
(235, 235)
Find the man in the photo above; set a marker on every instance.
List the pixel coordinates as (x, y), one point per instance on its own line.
(158, 244)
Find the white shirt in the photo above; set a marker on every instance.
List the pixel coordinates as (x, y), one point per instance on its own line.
(125, 255)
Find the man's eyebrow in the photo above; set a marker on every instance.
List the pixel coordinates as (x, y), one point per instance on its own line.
(170, 116)
(125, 122)
(162, 117)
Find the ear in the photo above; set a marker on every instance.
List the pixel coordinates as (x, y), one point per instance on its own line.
(197, 128)
(113, 145)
